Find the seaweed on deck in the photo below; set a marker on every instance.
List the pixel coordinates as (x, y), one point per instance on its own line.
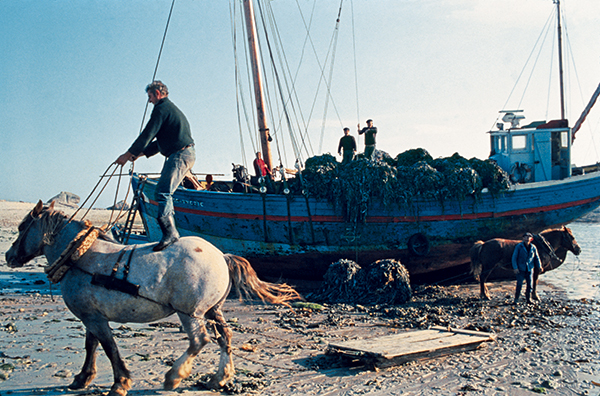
(398, 182)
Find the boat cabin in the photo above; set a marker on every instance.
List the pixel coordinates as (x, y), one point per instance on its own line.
(536, 152)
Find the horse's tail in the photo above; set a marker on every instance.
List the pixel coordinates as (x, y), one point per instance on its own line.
(246, 283)
(476, 267)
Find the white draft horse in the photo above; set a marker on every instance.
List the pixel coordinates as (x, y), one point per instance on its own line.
(493, 259)
(191, 278)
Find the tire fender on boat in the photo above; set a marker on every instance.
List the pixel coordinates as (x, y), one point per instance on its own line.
(520, 173)
(418, 244)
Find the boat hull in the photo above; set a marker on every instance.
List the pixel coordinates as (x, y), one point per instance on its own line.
(298, 237)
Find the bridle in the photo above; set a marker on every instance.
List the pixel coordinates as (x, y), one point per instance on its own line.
(569, 240)
(49, 232)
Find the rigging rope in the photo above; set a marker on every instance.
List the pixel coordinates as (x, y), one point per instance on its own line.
(546, 26)
(524, 66)
(278, 84)
(281, 79)
(239, 98)
(334, 40)
(288, 103)
(110, 224)
(162, 44)
(355, 67)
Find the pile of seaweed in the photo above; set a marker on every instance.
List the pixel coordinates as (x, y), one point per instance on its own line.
(399, 182)
(382, 282)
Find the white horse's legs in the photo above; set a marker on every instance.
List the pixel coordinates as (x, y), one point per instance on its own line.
(101, 330)
(88, 371)
(198, 337)
(224, 335)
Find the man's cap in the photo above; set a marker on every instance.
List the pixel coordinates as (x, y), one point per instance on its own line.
(369, 120)
(528, 234)
(346, 129)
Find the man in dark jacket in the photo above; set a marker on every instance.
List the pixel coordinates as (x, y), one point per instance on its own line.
(348, 144)
(525, 257)
(370, 132)
(167, 132)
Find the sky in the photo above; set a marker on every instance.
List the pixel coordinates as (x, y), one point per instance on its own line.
(432, 74)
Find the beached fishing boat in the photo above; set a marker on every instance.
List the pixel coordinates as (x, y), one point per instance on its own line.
(296, 235)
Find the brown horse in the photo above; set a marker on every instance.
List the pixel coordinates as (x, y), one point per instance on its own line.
(493, 259)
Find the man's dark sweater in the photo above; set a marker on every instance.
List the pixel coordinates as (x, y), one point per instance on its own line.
(170, 128)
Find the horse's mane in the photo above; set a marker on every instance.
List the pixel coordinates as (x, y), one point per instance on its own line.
(561, 229)
(53, 219)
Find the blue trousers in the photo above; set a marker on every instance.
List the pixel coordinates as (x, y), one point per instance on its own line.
(174, 169)
(527, 277)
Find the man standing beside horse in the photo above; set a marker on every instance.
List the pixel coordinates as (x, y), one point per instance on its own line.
(524, 259)
(167, 132)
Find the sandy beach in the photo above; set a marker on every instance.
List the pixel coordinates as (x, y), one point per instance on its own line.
(551, 347)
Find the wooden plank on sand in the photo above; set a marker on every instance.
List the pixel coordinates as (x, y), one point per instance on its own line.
(398, 348)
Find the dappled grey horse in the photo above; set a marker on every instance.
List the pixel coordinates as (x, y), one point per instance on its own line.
(191, 278)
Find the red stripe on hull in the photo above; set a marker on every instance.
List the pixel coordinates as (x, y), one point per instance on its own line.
(388, 219)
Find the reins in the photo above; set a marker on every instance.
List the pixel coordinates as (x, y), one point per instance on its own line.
(120, 174)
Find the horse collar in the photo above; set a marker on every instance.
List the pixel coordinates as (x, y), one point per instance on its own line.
(74, 251)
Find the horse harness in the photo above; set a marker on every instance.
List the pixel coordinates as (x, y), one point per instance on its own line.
(111, 281)
(77, 248)
(551, 251)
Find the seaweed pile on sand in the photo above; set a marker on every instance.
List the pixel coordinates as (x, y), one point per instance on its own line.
(382, 282)
(413, 175)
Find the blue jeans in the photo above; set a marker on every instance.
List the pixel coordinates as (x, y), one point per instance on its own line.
(527, 277)
(369, 150)
(173, 172)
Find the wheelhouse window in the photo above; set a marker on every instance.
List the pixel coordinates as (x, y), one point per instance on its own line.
(498, 144)
(519, 142)
(564, 139)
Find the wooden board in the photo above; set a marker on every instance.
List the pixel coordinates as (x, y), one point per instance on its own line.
(412, 345)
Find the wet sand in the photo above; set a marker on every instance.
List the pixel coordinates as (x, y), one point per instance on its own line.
(551, 347)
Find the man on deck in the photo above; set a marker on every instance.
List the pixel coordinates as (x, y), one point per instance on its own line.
(347, 143)
(369, 131)
(167, 132)
(260, 167)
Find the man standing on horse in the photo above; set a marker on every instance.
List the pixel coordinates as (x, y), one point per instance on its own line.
(524, 259)
(167, 132)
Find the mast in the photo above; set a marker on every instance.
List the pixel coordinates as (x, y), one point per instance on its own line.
(560, 62)
(265, 138)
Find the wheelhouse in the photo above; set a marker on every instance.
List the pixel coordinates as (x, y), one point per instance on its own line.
(536, 152)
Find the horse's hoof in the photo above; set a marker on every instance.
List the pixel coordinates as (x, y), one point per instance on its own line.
(81, 381)
(215, 383)
(171, 384)
(76, 384)
(117, 391)
(172, 380)
(120, 388)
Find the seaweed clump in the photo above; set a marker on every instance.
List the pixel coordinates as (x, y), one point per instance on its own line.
(410, 176)
(382, 282)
